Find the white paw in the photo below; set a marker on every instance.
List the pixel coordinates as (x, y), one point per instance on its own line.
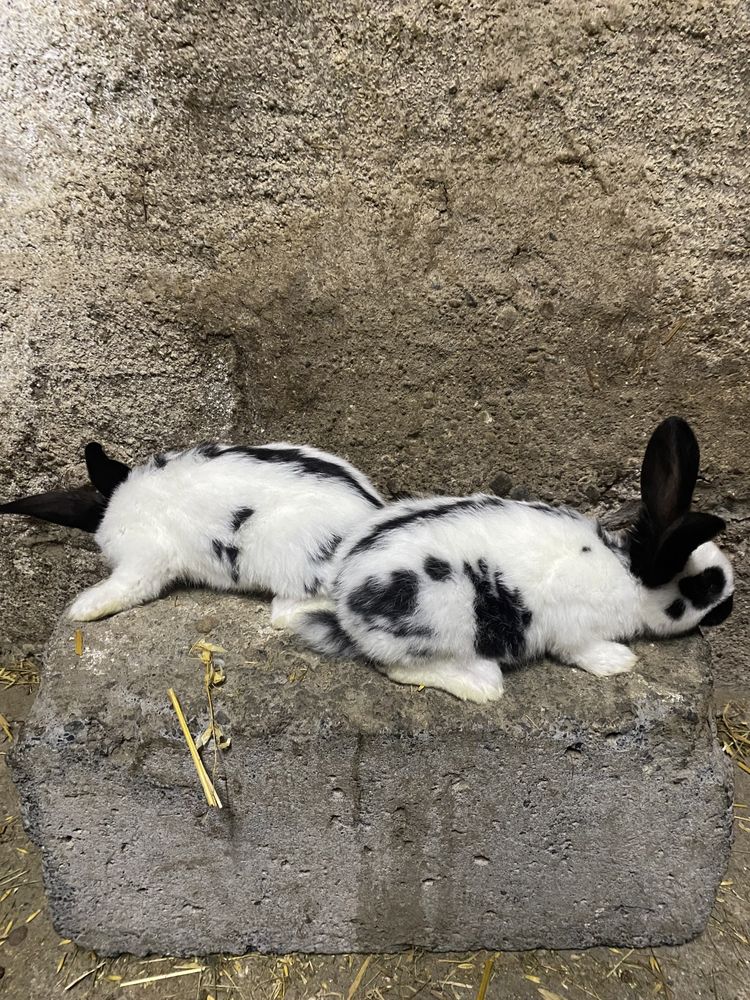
(480, 685)
(478, 681)
(93, 604)
(284, 610)
(604, 659)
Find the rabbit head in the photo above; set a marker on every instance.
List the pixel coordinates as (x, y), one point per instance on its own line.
(687, 580)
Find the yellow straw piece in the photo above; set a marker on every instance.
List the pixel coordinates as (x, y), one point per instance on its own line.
(486, 976)
(5, 726)
(78, 642)
(358, 978)
(84, 976)
(208, 789)
(33, 915)
(164, 975)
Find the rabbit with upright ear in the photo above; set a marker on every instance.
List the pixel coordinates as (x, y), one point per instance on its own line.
(441, 591)
(263, 518)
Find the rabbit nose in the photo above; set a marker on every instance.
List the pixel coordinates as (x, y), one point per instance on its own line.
(720, 613)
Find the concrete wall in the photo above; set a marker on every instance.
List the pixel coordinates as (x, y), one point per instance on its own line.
(452, 241)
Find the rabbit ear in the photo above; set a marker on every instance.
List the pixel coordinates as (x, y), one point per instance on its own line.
(105, 473)
(82, 508)
(669, 472)
(678, 543)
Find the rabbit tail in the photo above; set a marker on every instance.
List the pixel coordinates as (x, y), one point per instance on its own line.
(323, 632)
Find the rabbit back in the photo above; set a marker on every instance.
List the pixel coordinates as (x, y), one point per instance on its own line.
(257, 518)
(479, 576)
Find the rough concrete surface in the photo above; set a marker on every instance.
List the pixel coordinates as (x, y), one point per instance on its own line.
(452, 241)
(361, 815)
(35, 964)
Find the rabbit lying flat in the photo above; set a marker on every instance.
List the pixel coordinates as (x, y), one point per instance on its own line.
(439, 591)
(230, 517)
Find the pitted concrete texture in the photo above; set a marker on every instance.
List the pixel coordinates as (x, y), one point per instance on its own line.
(361, 815)
(460, 243)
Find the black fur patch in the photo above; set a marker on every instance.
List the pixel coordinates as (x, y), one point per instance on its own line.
(406, 630)
(393, 599)
(656, 559)
(309, 464)
(669, 472)
(546, 508)
(329, 637)
(501, 616)
(703, 588)
(389, 604)
(586, 548)
(233, 555)
(328, 548)
(444, 509)
(229, 552)
(720, 613)
(160, 460)
(676, 609)
(209, 449)
(437, 569)
(240, 516)
(312, 587)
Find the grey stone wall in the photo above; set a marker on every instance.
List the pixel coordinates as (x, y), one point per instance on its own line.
(450, 241)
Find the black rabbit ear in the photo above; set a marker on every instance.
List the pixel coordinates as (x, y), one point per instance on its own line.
(82, 508)
(105, 473)
(669, 472)
(678, 544)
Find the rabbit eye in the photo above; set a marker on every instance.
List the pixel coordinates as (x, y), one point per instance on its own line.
(702, 589)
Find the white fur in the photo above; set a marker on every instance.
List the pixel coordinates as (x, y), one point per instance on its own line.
(475, 680)
(284, 610)
(161, 523)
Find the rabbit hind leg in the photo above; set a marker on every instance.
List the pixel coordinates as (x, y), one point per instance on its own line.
(477, 680)
(122, 590)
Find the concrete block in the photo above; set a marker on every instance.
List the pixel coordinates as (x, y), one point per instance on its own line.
(360, 815)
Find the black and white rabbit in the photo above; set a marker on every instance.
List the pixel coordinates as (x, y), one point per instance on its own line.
(440, 591)
(235, 518)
